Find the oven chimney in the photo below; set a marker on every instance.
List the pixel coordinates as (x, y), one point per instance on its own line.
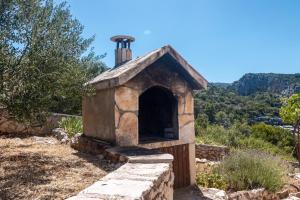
(122, 52)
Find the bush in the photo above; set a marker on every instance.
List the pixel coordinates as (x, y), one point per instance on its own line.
(242, 136)
(71, 125)
(244, 170)
(201, 122)
(211, 180)
(275, 135)
(259, 144)
(219, 135)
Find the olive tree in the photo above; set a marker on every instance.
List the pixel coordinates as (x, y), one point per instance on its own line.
(42, 62)
(290, 114)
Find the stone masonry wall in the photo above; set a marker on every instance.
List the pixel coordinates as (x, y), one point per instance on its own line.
(146, 175)
(133, 181)
(127, 97)
(211, 152)
(9, 125)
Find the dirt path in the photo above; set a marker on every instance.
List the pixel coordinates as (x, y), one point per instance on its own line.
(41, 168)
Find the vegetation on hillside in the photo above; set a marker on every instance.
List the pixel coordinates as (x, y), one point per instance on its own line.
(44, 59)
(261, 137)
(224, 106)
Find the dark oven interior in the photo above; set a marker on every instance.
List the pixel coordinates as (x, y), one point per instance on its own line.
(158, 115)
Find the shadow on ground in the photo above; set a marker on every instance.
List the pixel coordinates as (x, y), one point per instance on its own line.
(189, 193)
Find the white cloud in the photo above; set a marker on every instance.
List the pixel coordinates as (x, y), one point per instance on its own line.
(147, 32)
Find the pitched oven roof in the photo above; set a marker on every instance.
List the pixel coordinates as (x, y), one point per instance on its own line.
(123, 73)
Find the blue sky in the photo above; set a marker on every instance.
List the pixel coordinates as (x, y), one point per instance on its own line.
(222, 39)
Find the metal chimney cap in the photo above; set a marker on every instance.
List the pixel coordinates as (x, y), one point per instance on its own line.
(119, 38)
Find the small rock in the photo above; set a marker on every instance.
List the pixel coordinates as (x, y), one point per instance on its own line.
(297, 194)
(19, 142)
(100, 157)
(198, 160)
(283, 194)
(213, 193)
(122, 159)
(249, 194)
(75, 139)
(297, 175)
(61, 135)
(44, 140)
(292, 198)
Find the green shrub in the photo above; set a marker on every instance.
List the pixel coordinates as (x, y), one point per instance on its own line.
(201, 122)
(71, 125)
(244, 170)
(219, 135)
(242, 136)
(211, 180)
(275, 135)
(259, 144)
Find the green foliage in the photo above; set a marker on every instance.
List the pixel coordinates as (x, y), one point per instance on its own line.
(222, 119)
(275, 135)
(224, 106)
(290, 111)
(219, 135)
(201, 122)
(244, 170)
(72, 125)
(211, 180)
(43, 67)
(263, 146)
(242, 136)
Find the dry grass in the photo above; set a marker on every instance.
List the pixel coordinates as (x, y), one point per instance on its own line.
(31, 168)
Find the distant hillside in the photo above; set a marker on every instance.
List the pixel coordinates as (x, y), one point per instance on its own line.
(223, 85)
(284, 84)
(253, 98)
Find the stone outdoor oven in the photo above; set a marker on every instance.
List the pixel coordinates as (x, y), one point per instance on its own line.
(147, 102)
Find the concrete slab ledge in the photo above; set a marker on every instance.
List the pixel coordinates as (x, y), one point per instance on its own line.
(141, 155)
(147, 174)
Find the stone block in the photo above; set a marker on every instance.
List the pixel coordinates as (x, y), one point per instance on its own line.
(179, 86)
(187, 133)
(117, 117)
(185, 119)
(189, 103)
(126, 98)
(181, 105)
(127, 132)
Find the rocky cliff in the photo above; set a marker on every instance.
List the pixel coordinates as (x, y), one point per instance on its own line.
(251, 83)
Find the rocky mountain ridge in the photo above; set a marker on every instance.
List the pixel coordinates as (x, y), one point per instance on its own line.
(251, 83)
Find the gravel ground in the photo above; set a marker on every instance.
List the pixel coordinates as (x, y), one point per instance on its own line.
(42, 168)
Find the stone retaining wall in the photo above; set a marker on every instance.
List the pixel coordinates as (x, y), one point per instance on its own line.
(255, 194)
(211, 152)
(9, 125)
(258, 194)
(133, 181)
(146, 175)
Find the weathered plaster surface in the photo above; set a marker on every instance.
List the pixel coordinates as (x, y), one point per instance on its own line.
(98, 115)
(126, 132)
